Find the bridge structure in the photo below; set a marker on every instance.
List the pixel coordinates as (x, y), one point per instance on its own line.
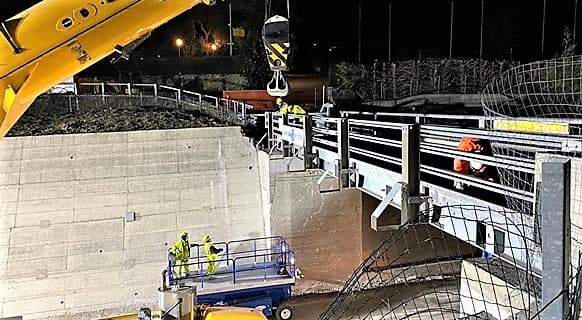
(405, 160)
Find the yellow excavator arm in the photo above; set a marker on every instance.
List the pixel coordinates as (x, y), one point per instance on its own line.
(56, 39)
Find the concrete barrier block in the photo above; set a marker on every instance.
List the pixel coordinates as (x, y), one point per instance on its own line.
(91, 173)
(199, 153)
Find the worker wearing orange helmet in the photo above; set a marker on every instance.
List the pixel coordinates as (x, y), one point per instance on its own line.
(473, 167)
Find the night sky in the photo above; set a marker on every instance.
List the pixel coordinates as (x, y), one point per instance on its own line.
(420, 27)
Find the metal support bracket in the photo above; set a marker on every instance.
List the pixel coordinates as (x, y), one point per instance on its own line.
(397, 187)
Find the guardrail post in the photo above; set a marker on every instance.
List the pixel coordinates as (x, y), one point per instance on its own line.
(308, 142)
(410, 172)
(343, 152)
(103, 90)
(269, 127)
(556, 240)
(155, 90)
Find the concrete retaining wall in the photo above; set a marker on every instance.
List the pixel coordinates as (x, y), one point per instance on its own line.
(65, 248)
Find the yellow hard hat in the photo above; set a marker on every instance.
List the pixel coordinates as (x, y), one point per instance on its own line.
(279, 101)
(184, 235)
(206, 238)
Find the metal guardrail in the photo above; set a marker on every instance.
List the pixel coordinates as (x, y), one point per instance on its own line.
(379, 143)
(104, 90)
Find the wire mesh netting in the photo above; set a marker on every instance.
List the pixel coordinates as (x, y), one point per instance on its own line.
(543, 98)
(424, 271)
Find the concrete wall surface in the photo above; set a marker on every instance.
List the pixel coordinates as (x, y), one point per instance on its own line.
(324, 229)
(66, 250)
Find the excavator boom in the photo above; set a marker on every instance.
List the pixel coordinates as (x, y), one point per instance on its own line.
(56, 39)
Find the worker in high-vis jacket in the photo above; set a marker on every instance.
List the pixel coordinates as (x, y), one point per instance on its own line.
(180, 253)
(211, 254)
(285, 108)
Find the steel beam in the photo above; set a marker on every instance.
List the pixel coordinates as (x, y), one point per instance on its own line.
(556, 240)
(410, 172)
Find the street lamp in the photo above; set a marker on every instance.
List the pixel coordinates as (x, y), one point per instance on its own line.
(214, 47)
(179, 45)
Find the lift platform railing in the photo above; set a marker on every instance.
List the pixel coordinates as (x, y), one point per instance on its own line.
(261, 264)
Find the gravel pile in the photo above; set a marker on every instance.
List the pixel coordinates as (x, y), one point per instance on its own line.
(40, 121)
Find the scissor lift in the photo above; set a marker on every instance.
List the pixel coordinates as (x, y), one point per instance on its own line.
(256, 273)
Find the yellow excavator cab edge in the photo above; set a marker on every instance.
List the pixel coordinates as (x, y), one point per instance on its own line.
(228, 313)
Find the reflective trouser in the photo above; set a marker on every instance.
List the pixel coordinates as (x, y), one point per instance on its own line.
(212, 264)
(181, 269)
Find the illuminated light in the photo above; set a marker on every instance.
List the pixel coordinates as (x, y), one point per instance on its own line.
(179, 43)
(214, 47)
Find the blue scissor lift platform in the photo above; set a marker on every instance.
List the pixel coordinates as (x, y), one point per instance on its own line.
(255, 273)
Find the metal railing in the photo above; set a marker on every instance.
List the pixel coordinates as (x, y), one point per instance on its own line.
(379, 143)
(250, 259)
(181, 97)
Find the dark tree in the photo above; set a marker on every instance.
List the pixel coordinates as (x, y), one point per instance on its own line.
(254, 62)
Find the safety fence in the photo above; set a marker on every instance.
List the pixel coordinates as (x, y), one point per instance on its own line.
(99, 94)
(256, 259)
(423, 272)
